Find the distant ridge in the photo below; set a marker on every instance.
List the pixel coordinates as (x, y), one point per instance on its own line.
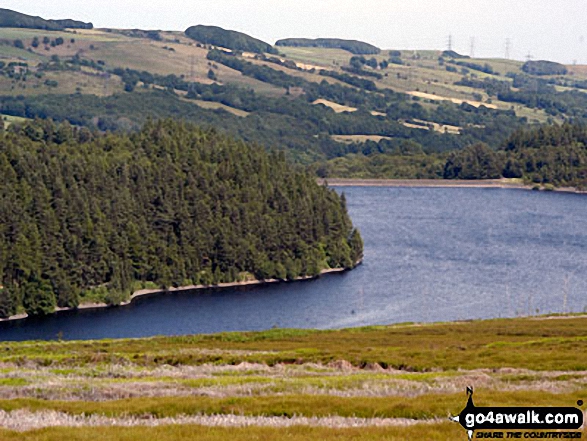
(543, 67)
(453, 54)
(13, 19)
(234, 40)
(73, 24)
(353, 46)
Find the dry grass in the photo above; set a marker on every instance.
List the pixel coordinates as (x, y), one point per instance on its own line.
(312, 77)
(214, 106)
(23, 420)
(68, 83)
(541, 345)
(323, 57)
(429, 96)
(115, 382)
(9, 119)
(349, 139)
(436, 432)
(441, 128)
(338, 108)
(406, 377)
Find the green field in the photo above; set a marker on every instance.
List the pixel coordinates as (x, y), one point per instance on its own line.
(294, 384)
(178, 55)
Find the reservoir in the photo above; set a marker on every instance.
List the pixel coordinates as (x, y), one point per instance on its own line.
(431, 254)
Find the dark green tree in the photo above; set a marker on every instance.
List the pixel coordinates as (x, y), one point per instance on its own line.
(38, 297)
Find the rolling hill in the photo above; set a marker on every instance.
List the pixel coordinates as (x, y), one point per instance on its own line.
(323, 106)
(234, 40)
(13, 19)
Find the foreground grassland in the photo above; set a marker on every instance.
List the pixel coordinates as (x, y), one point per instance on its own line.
(442, 431)
(382, 382)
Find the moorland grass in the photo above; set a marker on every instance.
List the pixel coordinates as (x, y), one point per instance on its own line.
(421, 407)
(435, 432)
(423, 354)
(528, 343)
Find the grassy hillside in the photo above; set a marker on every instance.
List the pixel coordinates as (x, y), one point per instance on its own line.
(299, 384)
(419, 72)
(432, 99)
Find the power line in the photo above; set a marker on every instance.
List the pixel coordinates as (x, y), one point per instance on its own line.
(450, 42)
(472, 52)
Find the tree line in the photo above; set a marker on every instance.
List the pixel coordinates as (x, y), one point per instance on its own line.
(237, 41)
(353, 46)
(550, 156)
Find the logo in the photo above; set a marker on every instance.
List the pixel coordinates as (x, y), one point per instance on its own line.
(474, 418)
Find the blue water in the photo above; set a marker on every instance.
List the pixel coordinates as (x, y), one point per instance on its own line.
(431, 254)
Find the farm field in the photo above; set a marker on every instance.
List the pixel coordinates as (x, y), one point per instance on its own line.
(439, 101)
(381, 382)
(213, 105)
(420, 75)
(173, 55)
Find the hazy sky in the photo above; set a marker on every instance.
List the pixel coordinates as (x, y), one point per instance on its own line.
(545, 29)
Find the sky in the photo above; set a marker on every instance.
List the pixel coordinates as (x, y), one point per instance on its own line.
(541, 29)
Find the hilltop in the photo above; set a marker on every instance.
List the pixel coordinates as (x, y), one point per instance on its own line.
(353, 46)
(234, 40)
(13, 19)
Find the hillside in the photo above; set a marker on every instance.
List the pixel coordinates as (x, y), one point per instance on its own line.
(374, 383)
(87, 217)
(343, 114)
(228, 39)
(353, 46)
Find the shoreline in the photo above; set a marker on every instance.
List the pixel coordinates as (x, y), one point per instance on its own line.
(441, 183)
(145, 292)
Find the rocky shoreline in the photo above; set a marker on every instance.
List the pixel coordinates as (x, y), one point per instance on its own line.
(144, 292)
(443, 183)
